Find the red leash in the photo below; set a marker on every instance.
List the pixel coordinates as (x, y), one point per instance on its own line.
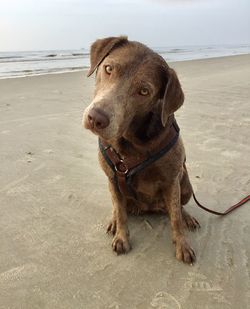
(230, 209)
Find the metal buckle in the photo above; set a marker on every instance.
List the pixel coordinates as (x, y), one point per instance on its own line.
(120, 167)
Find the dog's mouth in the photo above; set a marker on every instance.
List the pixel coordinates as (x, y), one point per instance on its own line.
(108, 133)
(105, 125)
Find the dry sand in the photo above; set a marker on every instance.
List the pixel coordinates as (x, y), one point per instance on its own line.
(55, 204)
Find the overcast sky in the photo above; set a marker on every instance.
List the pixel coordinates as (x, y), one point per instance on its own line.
(74, 24)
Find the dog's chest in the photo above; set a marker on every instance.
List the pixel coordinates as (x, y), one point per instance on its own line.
(150, 186)
(147, 186)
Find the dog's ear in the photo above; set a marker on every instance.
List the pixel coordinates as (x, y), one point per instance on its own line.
(173, 96)
(101, 48)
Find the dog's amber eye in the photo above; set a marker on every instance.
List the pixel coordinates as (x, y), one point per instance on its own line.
(108, 69)
(144, 91)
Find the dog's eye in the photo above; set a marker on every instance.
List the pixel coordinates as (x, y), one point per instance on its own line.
(144, 91)
(108, 69)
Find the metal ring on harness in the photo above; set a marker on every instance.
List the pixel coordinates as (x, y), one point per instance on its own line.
(120, 167)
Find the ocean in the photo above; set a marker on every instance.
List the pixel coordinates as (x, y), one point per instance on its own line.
(19, 64)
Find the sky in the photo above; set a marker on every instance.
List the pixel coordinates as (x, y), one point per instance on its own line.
(74, 24)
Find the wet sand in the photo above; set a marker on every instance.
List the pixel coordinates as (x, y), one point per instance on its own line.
(55, 204)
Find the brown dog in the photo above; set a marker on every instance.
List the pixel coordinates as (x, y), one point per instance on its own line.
(132, 112)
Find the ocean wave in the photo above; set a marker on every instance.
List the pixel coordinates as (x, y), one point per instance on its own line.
(10, 57)
(25, 73)
(44, 62)
(44, 58)
(66, 55)
(51, 55)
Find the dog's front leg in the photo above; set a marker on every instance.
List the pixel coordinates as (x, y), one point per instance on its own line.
(173, 201)
(120, 243)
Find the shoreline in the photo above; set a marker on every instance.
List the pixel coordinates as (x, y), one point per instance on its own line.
(69, 71)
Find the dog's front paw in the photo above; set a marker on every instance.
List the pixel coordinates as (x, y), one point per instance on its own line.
(120, 244)
(184, 252)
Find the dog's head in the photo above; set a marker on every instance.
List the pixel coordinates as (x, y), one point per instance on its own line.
(131, 80)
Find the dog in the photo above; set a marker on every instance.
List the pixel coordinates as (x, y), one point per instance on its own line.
(132, 113)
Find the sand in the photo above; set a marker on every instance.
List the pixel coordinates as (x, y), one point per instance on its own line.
(55, 204)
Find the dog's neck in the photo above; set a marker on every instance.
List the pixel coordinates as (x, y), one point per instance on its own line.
(145, 128)
(143, 135)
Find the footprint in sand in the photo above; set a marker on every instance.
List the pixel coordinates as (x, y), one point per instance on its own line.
(19, 189)
(199, 282)
(18, 273)
(164, 300)
(202, 286)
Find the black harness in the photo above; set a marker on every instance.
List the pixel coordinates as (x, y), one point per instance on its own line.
(125, 173)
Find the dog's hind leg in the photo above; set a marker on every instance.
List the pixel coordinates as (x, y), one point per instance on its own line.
(184, 252)
(111, 229)
(186, 187)
(191, 223)
(186, 193)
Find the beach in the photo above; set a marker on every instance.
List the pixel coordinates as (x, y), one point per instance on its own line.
(55, 204)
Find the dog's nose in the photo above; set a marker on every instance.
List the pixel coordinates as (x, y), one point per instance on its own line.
(98, 119)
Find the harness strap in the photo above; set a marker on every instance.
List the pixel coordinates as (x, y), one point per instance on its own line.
(125, 168)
